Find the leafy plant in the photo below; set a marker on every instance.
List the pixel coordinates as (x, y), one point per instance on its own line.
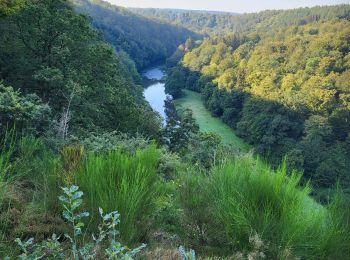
(71, 200)
(25, 112)
(48, 248)
(191, 255)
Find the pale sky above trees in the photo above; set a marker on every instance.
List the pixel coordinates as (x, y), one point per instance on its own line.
(227, 5)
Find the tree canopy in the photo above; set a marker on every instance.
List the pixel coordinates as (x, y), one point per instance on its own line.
(146, 41)
(285, 90)
(50, 51)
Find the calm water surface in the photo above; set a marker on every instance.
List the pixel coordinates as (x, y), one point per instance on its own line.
(155, 92)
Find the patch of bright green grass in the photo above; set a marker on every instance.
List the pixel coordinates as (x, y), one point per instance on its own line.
(123, 182)
(207, 122)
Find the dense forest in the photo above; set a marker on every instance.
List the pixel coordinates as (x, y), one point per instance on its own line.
(286, 91)
(146, 41)
(54, 75)
(88, 171)
(220, 23)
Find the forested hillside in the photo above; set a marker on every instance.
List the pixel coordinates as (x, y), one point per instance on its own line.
(286, 91)
(60, 84)
(57, 72)
(216, 23)
(146, 41)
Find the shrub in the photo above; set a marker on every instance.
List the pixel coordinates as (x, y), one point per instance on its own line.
(25, 112)
(170, 165)
(195, 204)
(114, 140)
(126, 182)
(245, 196)
(167, 215)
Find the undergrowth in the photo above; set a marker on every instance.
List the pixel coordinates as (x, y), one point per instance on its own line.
(236, 209)
(52, 248)
(245, 196)
(126, 182)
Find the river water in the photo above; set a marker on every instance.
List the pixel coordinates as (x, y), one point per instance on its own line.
(155, 90)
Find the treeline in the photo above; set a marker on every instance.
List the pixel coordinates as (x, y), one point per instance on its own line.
(217, 23)
(146, 41)
(58, 76)
(285, 91)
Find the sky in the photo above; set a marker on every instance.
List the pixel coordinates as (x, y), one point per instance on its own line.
(239, 6)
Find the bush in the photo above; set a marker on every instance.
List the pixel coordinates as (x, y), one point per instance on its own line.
(245, 196)
(30, 177)
(194, 201)
(114, 140)
(170, 165)
(25, 112)
(30, 163)
(126, 182)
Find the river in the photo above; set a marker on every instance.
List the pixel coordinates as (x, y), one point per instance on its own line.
(155, 90)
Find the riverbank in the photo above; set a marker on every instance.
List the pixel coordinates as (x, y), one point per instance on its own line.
(207, 122)
(156, 96)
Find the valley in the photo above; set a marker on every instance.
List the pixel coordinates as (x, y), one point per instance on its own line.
(148, 133)
(209, 123)
(156, 96)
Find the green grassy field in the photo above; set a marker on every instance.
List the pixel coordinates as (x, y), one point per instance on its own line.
(207, 122)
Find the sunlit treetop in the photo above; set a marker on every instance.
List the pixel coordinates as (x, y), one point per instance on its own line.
(9, 7)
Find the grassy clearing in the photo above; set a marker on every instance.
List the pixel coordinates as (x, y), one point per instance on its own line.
(207, 122)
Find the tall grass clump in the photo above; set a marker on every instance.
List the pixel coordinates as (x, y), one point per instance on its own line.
(116, 180)
(5, 163)
(38, 168)
(246, 197)
(24, 159)
(7, 148)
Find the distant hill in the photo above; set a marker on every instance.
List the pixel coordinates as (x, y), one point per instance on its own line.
(145, 40)
(176, 11)
(220, 23)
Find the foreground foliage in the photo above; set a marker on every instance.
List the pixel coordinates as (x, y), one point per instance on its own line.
(52, 248)
(127, 182)
(218, 207)
(223, 211)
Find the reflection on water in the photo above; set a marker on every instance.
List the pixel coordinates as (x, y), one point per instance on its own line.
(155, 73)
(155, 93)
